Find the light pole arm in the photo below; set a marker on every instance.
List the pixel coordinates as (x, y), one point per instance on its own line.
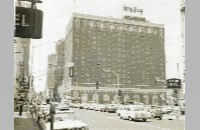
(117, 78)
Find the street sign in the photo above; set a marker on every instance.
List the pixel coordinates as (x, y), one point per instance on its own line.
(174, 83)
(119, 92)
(28, 23)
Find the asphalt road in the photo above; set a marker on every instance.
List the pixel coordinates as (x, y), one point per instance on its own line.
(110, 121)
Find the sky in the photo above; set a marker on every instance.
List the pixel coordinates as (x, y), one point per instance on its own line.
(57, 14)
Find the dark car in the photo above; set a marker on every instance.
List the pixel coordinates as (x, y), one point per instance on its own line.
(157, 112)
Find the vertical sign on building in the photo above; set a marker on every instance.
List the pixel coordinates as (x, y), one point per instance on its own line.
(28, 23)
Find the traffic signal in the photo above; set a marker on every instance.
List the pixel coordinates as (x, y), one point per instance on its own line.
(119, 92)
(71, 71)
(97, 85)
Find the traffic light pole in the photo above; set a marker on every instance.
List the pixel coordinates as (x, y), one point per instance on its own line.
(119, 97)
(52, 113)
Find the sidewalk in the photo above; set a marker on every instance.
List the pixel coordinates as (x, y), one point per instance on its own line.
(182, 117)
(24, 122)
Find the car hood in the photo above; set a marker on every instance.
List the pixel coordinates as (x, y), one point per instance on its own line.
(66, 124)
(141, 112)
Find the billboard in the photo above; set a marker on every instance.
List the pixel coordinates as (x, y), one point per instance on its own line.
(174, 83)
(28, 23)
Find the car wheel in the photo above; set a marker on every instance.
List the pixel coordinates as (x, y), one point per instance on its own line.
(130, 119)
(118, 114)
(144, 120)
(160, 118)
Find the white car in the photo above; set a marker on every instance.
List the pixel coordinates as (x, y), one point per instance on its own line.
(167, 109)
(63, 107)
(135, 113)
(121, 110)
(99, 107)
(91, 107)
(171, 116)
(64, 120)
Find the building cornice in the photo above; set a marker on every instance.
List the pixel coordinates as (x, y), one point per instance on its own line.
(117, 20)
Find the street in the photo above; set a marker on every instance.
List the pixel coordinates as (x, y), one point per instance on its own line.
(110, 121)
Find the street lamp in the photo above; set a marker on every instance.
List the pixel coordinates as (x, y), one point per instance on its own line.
(119, 91)
(116, 75)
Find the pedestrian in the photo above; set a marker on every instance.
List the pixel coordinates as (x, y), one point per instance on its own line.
(20, 109)
(33, 114)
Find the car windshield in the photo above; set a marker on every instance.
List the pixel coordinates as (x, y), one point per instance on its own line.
(136, 109)
(64, 116)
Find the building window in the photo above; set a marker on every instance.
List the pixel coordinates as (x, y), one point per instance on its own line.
(101, 25)
(103, 59)
(83, 23)
(112, 27)
(155, 32)
(140, 29)
(118, 55)
(98, 48)
(135, 29)
(114, 80)
(150, 30)
(77, 40)
(115, 26)
(91, 24)
(114, 64)
(143, 29)
(103, 75)
(129, 81)
(106, 25)
(130, 28)
(99, 53)
(119, 70)
(124, 70)
(108, 80)
(93, 37)
(82, 57)
(155, 99)
(123, 75)
(123, 65)
(126, 28)
(77, 22)
(97, 25)
(161, 32)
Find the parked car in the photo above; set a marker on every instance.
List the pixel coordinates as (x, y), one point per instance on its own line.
(171, 116)
(103, 108)
(91, 107)
(182, 110)
(136, 113)
(64, 120)
(156, 112)
(63, 107)
(121, 110)
(86, 105)
(167, 109)
(99, 107)
(111, 107)
(76, 105)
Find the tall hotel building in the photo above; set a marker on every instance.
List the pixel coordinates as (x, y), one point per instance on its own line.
(118, 54)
